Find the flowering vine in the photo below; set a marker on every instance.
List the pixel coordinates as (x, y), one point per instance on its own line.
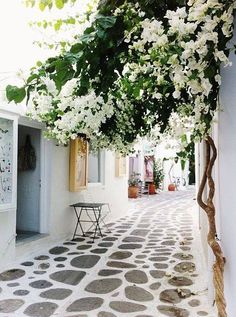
(131, 73)
(138, 71)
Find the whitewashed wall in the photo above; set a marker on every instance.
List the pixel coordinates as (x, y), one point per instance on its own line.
(57, 218)
(227, 177)
(112, 191)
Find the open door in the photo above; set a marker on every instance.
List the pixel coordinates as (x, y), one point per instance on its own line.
(28, 182)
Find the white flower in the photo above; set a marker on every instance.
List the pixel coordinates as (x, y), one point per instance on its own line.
(206, 86)
(218, 78)
(68, 88)
(176, 94)
(50, 85)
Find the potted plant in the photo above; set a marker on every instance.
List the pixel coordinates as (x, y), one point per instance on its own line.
(172, 185)
(158, 176)
(133, 182)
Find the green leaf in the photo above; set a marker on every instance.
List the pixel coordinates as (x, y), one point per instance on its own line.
(42, 5)
(86, 38)
(31, 78)
(74, 57)
(58, 25)
(59, 4)
(71, 21)
(39, 64)
(64, 72)
(101, 33)
(15, 93)
(105, 22)
(76, 48)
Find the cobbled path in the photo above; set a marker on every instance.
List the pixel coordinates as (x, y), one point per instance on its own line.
(150, 265)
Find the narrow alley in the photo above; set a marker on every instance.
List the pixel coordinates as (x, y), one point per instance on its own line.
(150, 265)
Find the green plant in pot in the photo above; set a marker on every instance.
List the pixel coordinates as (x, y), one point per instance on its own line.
(158, 173)
(133, 182)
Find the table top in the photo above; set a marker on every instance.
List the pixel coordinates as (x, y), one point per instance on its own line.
(87, 205)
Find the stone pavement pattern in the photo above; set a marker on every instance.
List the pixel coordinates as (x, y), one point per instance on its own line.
(148, 266)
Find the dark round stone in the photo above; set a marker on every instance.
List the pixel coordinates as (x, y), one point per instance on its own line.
(21, 292)
(40, 272)
(140, 232)
(56, 293)
(133, 239)
(183, 267)
(78, 239)
(173, 311)
(105, 314)
(103, 286)
(130, 246)
(141, 256)
(60, 259)
(183, 256)
(84, 247)
(180, 281)
(120, 255)
(174, 296)
(126, 307)
(69, 243)
(41, 257)
(155, 286)
(74, 253)
(105, 244)
(58, 250)
(157, 273)
(43, 309)
(85, 304)
(136, 277)
(44, 266)
(109, 239)
(85, 261)
(107, 272)
(13, 284)
(27, 263)
(99, 250)
(121, 265)
(158, 259)
(138, 294)
(40, 284)
(194, 303)
(69, 277)
(160, 265)
(12, 274)
(10, 305)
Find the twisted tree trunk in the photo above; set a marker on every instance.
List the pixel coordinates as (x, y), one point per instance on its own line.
(209, 208)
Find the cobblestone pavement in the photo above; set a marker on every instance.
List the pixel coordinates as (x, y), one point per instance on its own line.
(150, 265)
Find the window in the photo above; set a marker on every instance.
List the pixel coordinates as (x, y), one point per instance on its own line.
(95, 167)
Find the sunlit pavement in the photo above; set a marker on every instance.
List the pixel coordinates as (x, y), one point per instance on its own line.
(150, 265)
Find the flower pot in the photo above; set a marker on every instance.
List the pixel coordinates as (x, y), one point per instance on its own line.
(171, 187)
(132, 191)
(152, 189)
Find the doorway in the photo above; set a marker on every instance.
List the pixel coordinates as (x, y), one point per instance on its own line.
(28, 183)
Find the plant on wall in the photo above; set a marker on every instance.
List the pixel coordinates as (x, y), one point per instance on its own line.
(140, 69)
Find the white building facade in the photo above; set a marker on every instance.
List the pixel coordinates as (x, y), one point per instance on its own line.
(224, 173)
(36, 202)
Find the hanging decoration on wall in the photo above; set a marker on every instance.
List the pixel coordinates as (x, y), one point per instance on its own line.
(148, 168)
(78, 164)
(27, 156)
(6, 160)
(120, 165)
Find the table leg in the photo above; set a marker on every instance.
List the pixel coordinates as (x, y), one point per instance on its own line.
(76, 223)
(97, 219)
(81, 228)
